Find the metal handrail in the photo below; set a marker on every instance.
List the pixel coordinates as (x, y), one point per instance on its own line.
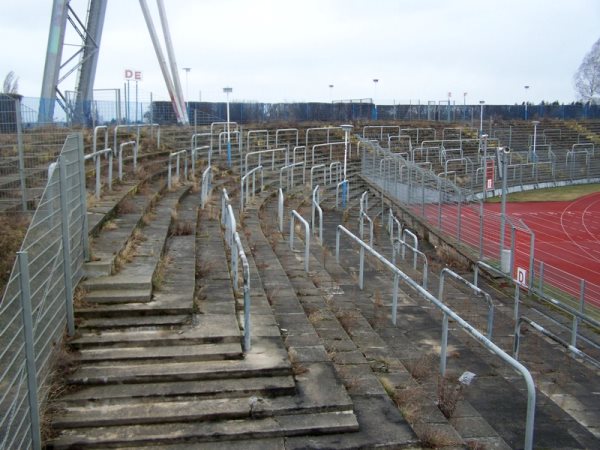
(295, 215)
(425, 271)
(280, 208)
(246, 179)
(135, 149)
(261, 152)
(447, 314)
(362, 216)
(317, 207)
(391, 221)
(475, 289)
(312, 172)
(500, 273)
(517, 340)
(232, 238)
(96, 157)
(246, 288)
(338, 166)
(290, 168)
(205, 190)
(330, 144)
(407, 232)
(194, 153)
(171, 156)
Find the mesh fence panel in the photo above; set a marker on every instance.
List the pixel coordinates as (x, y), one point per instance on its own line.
(43, 245)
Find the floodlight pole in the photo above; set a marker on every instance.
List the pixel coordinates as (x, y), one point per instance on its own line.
(481, 102)
(484, 138)
(347, 128)
(526, 100)
(375, 81)
(227, 91)
(535, 124)
(505, 152)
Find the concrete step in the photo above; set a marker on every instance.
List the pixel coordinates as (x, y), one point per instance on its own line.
(167, 305)
(266, 358)
(118, 282)
(202, 352)
(149, 392)
(198, 410)
(137, 322)
(116, 296)
(157, 434)
(205, 329)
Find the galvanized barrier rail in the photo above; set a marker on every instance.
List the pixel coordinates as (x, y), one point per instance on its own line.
(245, 180)
(316, 207)
(177, 156)
(232, 238)
(572, 349)
(295, 215)
(135, 152)
(96, 157)
(447, 314)
(476, 290)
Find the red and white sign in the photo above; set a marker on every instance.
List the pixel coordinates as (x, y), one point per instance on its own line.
(489, 174)
(522, 277)
(134, 75)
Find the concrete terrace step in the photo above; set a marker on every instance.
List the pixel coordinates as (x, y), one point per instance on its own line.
(128, 281)
(183, 352)
(205, 329)
(150, 392)
(166, 305)
(172, 320)
(119, 296)
(157, 434)
(314, 394)
(265, 359)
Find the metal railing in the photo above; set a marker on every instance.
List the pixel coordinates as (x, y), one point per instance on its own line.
(206, 186)
(245, 180)
(177, 156)
(135, 152)
(316, 207)
(476, 290)
(38, 300)
(447, 315)
(98, 168)
(397, 242)
(295, 215)
(547, 333)
(290, 168)
(233, 241)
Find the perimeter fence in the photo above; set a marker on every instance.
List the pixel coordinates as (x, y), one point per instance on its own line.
(419, 177)
(38, 299)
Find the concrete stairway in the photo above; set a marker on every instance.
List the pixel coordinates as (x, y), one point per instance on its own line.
(166, 368)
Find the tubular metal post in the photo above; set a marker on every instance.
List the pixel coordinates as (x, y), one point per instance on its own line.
(66, 247)
(395, 299)
(280, 209)
(32, 387)
(83, 201)
(21, 153)
(444, 345)
(296, 215)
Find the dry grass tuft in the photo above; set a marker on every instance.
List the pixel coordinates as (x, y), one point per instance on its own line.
(12, 232)
(422, 367)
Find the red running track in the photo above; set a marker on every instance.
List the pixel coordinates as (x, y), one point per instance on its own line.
(567, 234)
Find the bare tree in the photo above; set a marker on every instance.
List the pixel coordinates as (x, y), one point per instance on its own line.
(11, 84)
(587, 77)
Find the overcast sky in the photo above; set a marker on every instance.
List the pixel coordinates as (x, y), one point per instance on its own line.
(283, 50)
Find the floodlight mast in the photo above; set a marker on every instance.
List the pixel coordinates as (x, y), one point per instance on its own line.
(178, 106)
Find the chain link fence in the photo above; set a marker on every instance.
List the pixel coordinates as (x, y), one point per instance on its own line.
(38, 299)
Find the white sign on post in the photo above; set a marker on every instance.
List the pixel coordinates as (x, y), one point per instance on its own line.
(522, 276)
(134, 75)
